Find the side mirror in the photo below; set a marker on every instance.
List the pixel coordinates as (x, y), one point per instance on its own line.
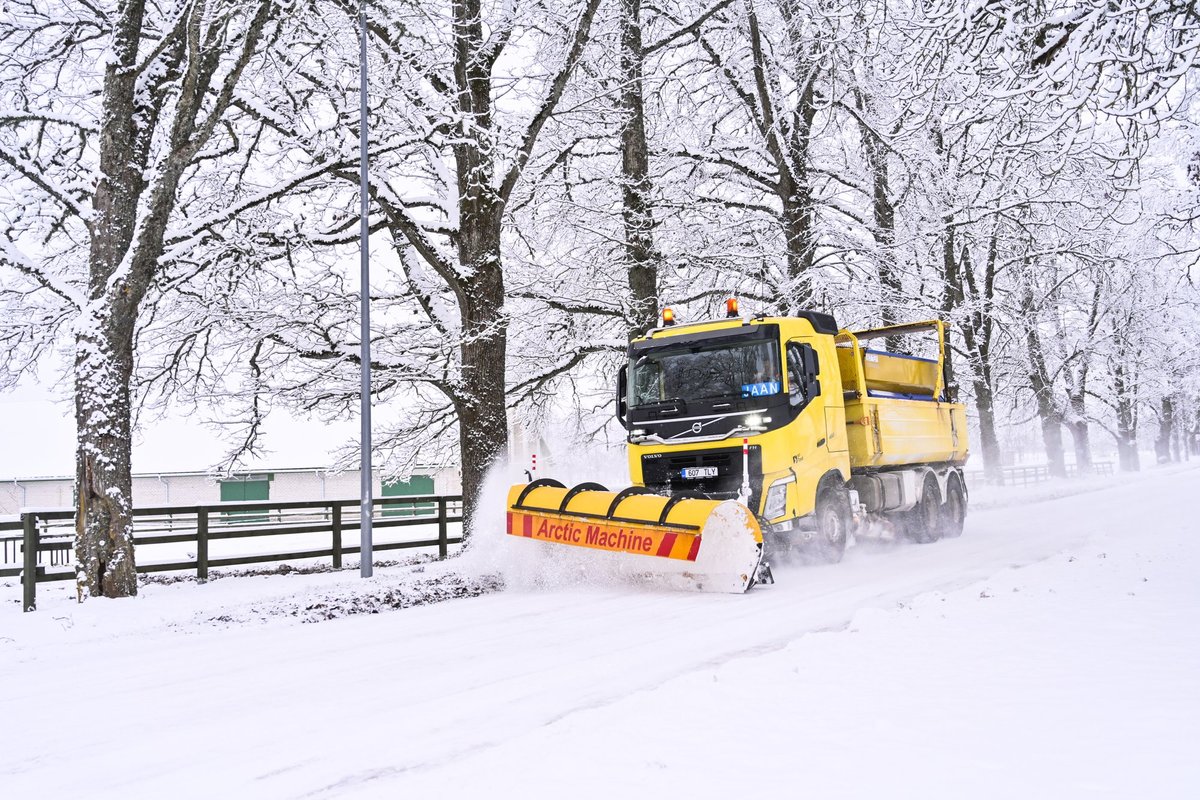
(622, 390)
(803, 368)
(812, 366)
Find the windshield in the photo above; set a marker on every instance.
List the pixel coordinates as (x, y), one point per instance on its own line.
(705, 372)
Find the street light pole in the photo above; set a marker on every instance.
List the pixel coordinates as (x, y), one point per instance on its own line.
(367, 487)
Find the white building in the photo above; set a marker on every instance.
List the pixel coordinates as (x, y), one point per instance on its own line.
(200, 488)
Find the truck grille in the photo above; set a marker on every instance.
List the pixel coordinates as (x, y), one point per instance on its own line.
(663, 472)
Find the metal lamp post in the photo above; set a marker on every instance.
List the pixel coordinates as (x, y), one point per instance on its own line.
(367, 488)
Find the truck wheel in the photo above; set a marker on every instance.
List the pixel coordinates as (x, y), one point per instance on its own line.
(833, 525)
(954, 510)
(922, 524)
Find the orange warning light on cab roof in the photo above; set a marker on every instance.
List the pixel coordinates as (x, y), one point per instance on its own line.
(668, 316)
(731, 307)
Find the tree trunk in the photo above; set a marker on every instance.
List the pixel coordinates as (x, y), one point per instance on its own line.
(1127, 452)
(129, 221)
(1080, 433)
(641, 260)
(104, 523)
(1191, 438)
(798, 231)
(1127, 448)
(480, 399)
(788, 147)
(976, 332)
(985, 406)
(884, 231)
(1052, 440)
(1040, 382)
(1166, 431)
(483, 416)
(989, 442)
(795, 196)
(104, 342)
(475, 273)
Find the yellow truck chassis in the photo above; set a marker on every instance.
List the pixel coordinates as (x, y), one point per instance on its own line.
(786, 431)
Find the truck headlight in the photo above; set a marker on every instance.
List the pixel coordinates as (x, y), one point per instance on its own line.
(757, 422)
(776, 504)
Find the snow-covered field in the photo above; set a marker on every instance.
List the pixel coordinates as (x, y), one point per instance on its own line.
(1053, 651)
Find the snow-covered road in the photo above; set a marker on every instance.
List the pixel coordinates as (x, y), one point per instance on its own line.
(944, 673)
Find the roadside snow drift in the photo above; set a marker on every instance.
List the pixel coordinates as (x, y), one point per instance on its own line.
(1052, 651)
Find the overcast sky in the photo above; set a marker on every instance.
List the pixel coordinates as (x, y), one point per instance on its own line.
(37, 438)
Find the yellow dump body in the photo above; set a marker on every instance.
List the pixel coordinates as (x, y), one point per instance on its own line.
(896, 413)
(891, 373)
(892, 432)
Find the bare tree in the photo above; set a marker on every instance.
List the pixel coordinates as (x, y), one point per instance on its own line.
(637, 214)
(148, 115)
(459, 106)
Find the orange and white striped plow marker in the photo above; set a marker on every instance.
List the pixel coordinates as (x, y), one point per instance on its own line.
(715, 544)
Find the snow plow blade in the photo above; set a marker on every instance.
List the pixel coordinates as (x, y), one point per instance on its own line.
(711, 545)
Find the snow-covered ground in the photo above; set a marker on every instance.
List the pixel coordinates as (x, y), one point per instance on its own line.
(1053, 651)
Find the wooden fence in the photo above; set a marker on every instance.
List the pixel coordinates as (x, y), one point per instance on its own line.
(42, 536)
(1034, 473)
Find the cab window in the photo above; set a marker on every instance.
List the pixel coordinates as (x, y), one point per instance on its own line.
(803, 367)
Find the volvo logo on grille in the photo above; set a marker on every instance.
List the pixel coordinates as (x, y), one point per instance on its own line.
(696, 427)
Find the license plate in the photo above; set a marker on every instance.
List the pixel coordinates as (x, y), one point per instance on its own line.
(699, 472)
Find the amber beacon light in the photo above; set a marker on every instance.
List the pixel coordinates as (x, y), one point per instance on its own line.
(731, 307)
(668, 316)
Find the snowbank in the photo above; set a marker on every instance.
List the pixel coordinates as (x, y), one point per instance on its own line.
(1052, 651)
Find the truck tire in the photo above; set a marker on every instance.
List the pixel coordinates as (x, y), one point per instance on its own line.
(954, 510)
(923, 523)
(833, 525)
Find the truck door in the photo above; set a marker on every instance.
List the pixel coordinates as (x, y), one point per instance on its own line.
(830, 387)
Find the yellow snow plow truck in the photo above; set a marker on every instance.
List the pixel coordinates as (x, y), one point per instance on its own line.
(783, 429)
